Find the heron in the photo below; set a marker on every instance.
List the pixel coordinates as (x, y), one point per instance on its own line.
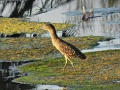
(67, 49)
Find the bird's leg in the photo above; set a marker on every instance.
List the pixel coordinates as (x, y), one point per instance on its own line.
(71, 63)
(66, 59)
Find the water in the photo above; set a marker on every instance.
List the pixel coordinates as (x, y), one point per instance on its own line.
(9, 71)
(47, 87)
(106, 22)
(106, 45)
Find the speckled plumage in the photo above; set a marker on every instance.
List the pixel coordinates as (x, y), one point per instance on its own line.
(67, 49)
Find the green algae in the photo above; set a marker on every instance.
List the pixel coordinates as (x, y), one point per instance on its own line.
(11, 26)
(16, 49)
(100, 71)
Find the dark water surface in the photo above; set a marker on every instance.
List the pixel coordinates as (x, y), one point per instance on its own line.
(8, 71)
(106, 22)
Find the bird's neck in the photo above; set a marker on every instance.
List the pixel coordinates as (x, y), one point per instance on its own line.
(53, 35)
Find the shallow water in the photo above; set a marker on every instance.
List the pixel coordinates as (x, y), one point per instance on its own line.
(9, 71)
(47, 87)
(113, 44)
(105, 22)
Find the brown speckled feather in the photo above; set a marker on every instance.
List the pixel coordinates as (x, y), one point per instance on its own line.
(68, 49)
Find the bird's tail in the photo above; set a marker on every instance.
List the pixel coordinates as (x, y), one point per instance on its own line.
(82, 56)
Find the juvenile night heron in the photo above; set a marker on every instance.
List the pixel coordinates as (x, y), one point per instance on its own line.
(67, 49)
(86, 15)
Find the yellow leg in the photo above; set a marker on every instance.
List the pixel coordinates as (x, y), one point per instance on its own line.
(66, 60)
(71, 62)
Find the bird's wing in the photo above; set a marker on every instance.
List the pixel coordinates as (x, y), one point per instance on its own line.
(68, 49)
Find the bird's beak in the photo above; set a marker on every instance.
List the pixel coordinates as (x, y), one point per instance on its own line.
(44, 26)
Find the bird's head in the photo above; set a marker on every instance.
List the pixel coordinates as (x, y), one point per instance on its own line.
(47, 26)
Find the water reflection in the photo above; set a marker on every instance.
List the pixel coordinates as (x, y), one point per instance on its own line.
(111, 3)
(104, 23)
(8, 72)
(8, 85)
